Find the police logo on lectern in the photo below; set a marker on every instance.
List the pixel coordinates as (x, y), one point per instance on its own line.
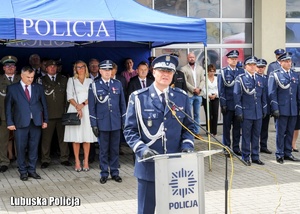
(183, 184)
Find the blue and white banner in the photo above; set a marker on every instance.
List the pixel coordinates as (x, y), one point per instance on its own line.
(31, 29)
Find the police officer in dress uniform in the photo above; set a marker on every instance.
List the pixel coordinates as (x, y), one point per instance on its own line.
(9, 77)
(107, 116)
(250, 99)
(276, 64)
(261, 67)
(55, 86)
(151, 129)
(284, 94)
(178, 78)
(226, 80)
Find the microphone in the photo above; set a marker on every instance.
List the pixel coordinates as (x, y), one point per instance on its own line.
(165, 91)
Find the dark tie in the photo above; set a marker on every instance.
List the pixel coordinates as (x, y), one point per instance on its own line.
(253, 80)
(107, 84)
(143, 83)
(163, 99)
(27, 92)
(53, 78)
(10, 79)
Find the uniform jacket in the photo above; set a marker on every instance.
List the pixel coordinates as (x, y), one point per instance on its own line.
(152, 116)
(55, 92)
(273, 66)
(4, 82)
(189, 78)
(282, 97)
(18, 109)
(265, 81)
(179, 80)
(110, 114)
(226, 84)
(251, 105)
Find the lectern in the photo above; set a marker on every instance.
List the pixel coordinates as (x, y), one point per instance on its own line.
(179, 182)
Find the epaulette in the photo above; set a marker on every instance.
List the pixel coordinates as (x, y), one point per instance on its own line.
(116, 80)
(275, 71)
(140, 91)
(179, 90)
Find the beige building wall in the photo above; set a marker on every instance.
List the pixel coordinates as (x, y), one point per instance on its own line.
(269, 28)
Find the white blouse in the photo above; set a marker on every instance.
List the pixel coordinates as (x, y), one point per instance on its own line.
(212, 88)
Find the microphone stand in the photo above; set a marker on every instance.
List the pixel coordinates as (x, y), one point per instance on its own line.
(219, 143)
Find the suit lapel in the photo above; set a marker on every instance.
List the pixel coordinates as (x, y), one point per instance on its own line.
(155, 99)
(22, 92)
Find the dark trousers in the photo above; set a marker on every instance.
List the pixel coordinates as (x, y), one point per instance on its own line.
(264, 133)
(228, 121)
(4, 139)
(250, 139)
(146, 197)
(285, 126)
(27, 138)
(47, 134)
(92, 153)
(213, 114)
(109, 152)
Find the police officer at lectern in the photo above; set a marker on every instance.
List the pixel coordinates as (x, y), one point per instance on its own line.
(150, 127)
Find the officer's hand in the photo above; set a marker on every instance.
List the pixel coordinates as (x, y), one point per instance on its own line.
(239, 118)
(188, 150)
(276, 114)
(149, 153)
(95, 131)
(224, 109)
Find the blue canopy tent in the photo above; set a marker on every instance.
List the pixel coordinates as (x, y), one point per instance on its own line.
(92, 24)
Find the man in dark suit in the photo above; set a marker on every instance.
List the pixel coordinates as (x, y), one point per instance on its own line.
(9, 77)
(141, 80)
(26, 113)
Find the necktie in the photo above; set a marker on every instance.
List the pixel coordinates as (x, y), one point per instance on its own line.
(27, 92)
(53, 78)
(10, 79)
(107, 84)
(163, 99)
(253, 80)
(143, 83)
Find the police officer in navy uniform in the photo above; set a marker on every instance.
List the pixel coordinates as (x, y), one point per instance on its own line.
(250, 99)
(9, 77)
(261, 67)
(226, 80)
(151, 129)
(178, 78)
(276, 64)
(107, 109)
(284, 94)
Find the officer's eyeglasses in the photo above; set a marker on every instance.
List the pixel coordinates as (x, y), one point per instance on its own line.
(9, 65)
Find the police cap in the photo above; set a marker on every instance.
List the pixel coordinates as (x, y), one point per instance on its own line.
(279, 51)
(165, 62)
(233, 54)
(239, 64)
(261, 63)
(250, 60)
(285, 56)
(9, 60)
(50, 62)
(106, 65)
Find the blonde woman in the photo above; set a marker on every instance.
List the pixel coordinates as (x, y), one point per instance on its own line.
(77, 95)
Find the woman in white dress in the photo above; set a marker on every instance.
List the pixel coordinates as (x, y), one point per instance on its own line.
(77, 95)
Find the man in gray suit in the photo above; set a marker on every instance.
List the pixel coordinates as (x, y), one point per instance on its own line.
(194, 76)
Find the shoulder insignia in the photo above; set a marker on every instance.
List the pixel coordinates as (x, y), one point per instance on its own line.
(140, 91)
(179, 90)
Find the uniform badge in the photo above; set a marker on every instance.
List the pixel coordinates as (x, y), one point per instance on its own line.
(149, 122)
(293, 79)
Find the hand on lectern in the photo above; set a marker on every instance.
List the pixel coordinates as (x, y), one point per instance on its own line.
(188, 150)
(149, 153)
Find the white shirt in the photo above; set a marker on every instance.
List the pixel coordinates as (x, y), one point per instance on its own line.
(212, 88)
(141, 82)
(12, 77)
(52, 76)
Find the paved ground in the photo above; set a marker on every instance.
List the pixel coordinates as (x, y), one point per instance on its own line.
(272, 188)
